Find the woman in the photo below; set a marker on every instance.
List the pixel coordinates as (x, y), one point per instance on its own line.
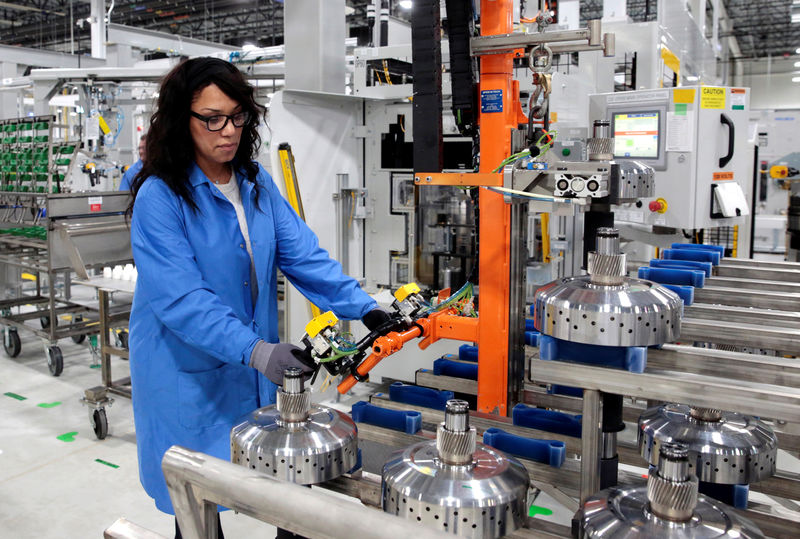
(208, 230)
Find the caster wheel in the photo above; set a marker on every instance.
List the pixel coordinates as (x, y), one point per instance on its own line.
(11, 342)
(100, 424)
(45, 321)
(55, 361)
(78, 339)
(123, 339)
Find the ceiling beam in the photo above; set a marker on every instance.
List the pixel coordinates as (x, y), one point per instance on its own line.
(162, 41)
(41, 58)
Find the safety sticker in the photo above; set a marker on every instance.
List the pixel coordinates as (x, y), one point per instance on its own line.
(492, 101)
(95, 204)
(738, 98)
(712, 97)
(722, 176)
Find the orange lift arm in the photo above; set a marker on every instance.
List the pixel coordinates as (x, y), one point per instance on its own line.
(440, 325)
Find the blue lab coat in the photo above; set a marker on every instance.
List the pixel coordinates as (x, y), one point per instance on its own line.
(193, 324)
(130, 174)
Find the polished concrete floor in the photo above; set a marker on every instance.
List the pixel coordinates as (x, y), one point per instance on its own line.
(56, 479)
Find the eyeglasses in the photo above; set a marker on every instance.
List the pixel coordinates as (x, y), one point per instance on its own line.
(217, 122)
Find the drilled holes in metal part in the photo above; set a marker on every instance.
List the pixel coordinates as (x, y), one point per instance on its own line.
(410, 509)
(576, 327)
(306, 460)
(594, 323)
(260, 457)
(427, 508)
(612, 319)
(436, 517)
(602, 330)
(464, 520)
(253, 466)
(283, 461)
(640, 319)
(716, 469)
(444, 524)
(560, 312)
(647, 324)
(419, 519)
(474, 526)
(455, 513)
(404, 501)
(630, 331)
(584, 316)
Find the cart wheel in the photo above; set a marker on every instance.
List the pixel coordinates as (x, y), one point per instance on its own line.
(55, 361)
(78, 339)
(100, 423)
(11, 342)
(45, 321)
(123, 339)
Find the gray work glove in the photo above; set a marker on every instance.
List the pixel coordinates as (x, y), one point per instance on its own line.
(272, 359)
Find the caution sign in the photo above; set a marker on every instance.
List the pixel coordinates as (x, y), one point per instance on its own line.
(722, 176)
(712, 97)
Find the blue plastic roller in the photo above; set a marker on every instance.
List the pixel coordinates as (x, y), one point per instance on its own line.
(419, 396)
(532, 338)
(468, 352)
(546, 420)
(676, 276)
(705, 267)
(456, 369)
(400, 420)
(700, 246)
(686, 293)
(698, 255)
(630, 358)
(549, 452)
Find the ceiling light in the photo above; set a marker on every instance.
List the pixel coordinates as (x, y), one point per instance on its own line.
(405, 4)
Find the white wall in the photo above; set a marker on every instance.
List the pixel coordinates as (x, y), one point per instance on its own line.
(775, 91)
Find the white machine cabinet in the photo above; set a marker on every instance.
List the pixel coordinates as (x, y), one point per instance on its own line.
(695, 138)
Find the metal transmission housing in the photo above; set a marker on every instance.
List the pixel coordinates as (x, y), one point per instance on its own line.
(296, 440)
(668, 507)
(455, 484)
(606, 307)
(724, 447)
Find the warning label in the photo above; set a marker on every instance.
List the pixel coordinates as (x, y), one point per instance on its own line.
(738, 98)
(722, 176)
(712, 98)
(95, 204)
(492, 101)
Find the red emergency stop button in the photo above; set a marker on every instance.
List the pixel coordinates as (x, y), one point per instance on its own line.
(658, 206)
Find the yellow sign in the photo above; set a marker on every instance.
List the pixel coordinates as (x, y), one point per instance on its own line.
(712, 97)
(683, 96)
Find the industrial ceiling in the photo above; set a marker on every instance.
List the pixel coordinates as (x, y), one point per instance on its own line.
(762, 29)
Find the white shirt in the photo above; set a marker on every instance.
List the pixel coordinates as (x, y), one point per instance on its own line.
(231, 192)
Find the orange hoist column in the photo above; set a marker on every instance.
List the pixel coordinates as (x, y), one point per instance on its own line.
(496, 92)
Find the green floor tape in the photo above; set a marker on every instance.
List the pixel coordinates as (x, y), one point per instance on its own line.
(15, 396)
(67, 437)
(95, 366)
(101, 461)
(48, 404)
(536, 510)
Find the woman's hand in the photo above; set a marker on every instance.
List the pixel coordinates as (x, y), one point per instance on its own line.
(271, 359)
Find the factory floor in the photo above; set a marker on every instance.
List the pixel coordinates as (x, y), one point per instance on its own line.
(56, 479)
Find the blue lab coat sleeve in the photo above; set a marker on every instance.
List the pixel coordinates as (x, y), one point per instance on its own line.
(309, 267)
(173, 283)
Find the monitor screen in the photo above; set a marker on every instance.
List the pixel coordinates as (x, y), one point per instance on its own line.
(636, 134)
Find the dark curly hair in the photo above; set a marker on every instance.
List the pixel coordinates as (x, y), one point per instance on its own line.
(170, 149)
